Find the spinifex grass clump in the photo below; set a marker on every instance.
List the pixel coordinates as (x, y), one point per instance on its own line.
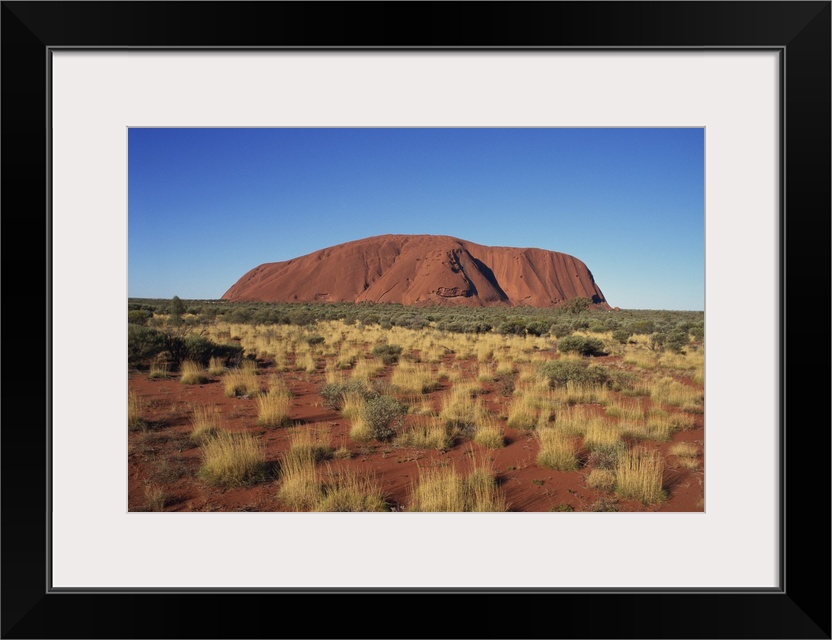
(557, 450)
(601, 434)
(426, 432)
(460, 410)
(522, 412)
(192, 373)
(481, 490)
(216, 366)
(670, 391)
(205, 422)
(414, 378)
(438, 489)
(232, 459)
(639, 476)
(488, 432)
(135, 412)
(304, 443)
(574, 420)
(241, 381)
(300, 487)
(443, 489)
(156, 497)
(601, 479)
(366, 369)
(273, 409)
(580, 393)
(626, 409)
(688, 454)
(158, 371)
(347, 491)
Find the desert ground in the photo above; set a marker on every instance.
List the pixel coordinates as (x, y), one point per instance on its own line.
(335, 415)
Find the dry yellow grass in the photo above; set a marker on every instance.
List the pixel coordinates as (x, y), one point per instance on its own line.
(672, 392)
(305, 443)
(278, 386)
(193, 373)
(135, 412)
(353, 405)
(601, 434)
(641, 358)
(481, 491)
(601, 479)
(522, 412)
(232, 459)
(427, 432)
(360, 429)
(439, 489)
(557, 450)
(574, 420)
(414, 378)
(216, 366)
(241, 381)
(273, 409)
(366, 369)
(205, 422)
(300, 487)
(158, 370)
(347, 491)
(639, 476)
(489, 432)
(579, 393)
(156, 497)
(688, 454)
(626, 408)
(459, 409)
(443, 489)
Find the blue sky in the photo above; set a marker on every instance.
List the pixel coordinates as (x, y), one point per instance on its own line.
(207, 205)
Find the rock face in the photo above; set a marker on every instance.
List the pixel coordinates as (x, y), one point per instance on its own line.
(422, 270)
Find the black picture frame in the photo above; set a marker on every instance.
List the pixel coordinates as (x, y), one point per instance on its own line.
(799, 31)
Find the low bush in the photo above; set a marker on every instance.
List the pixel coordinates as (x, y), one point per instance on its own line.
(559, 372)
(143, 344)
(334, 393)
(383, 416)
(581, 344)
(389, 353)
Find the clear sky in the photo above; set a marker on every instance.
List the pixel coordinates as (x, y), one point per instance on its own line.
(207, 205)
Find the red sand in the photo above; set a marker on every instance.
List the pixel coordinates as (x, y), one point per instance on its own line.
(164, 456)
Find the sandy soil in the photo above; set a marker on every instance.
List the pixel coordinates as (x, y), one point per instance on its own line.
(164, 456)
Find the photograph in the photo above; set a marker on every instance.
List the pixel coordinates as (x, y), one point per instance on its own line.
(410, 300)
(416, 319)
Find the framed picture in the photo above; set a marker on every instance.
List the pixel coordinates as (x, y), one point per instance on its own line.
(754, 76)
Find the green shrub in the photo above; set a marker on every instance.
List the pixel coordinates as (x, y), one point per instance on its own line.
(677, 341)
(333, 393)
(314, 339)
(383, 416)
(621, 335)
(138, 316)
(512, 327)
(581, 344)
(389, 353)
(144, 343)
(559, 372)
